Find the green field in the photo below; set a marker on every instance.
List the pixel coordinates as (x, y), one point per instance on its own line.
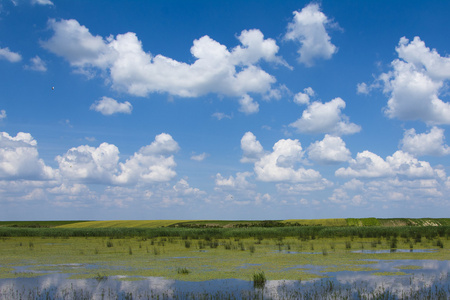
(349, 222)
(37, 224)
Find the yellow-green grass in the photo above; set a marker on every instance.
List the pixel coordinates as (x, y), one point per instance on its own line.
(317, 222)
(123, 224)
(162, 257)
(36, 224)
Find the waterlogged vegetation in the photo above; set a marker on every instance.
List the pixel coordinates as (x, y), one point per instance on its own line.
(258, 255)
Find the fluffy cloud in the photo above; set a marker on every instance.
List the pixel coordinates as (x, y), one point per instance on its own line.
(303, 98)
(37, 64)
(237, 182)
(182, 187)
(90, 164)
(200, 157)
(416, 83)
(280, 164)
(19, 159)
(251, 147)
(215, 69)
(325, 118)
(308, 28)
(390, 191)
(108, 106)
(10, 56)
(152, 163)
(370, 165)
(248, 106)
(431, 143)
(330, 150)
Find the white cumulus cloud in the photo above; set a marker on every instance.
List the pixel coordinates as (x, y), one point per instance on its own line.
(303, 98)
(369, 165)
(330, 150)
(90, 164)
(416, 83)
(281, 164)
(19, 159)
(37, 64)
(309, 29)
(430, 143)
(108, 106)
(234, 182)
(325, 118)
(248, 106)
(215, 69)
(10, 56)
(151, 164)
(251, 147)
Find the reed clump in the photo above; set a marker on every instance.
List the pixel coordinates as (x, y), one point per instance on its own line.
(259, 279)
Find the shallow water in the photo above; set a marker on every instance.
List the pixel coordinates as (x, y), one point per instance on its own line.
(418, 276)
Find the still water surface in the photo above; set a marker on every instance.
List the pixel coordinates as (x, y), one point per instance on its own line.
(399, 277)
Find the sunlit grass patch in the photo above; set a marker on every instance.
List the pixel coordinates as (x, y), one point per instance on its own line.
(122, 224)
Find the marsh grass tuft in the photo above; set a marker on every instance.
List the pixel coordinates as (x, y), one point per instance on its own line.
(259, 279)
(99, 277)
(183, 271)
(187, 244)
(348, 245)
(393, 244)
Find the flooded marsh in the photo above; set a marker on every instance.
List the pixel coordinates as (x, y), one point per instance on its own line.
(169, 266)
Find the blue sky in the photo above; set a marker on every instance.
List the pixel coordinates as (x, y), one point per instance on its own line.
(224, 109)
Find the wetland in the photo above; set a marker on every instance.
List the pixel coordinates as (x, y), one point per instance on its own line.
(305, 262)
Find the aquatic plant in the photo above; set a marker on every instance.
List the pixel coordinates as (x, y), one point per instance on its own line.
(259, 279)
(183, 271)
(348, 245)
